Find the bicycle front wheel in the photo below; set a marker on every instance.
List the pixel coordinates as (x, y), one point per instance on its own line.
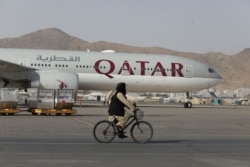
(104, 132)
(141, 132)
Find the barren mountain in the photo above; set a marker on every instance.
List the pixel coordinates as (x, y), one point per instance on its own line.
(234, 69)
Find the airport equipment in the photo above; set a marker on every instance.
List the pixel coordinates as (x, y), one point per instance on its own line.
(51, 102)
(141, 131)
(8, 101)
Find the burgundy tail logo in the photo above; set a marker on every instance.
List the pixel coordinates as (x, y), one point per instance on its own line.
(62, 85)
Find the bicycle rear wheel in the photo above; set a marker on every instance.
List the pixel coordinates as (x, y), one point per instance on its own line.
(141, 132)
(104, 132)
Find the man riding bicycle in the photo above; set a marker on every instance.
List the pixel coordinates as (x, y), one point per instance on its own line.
(117, 108)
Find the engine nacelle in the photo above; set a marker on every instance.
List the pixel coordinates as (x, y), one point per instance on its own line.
(2, 83)
(55, 80)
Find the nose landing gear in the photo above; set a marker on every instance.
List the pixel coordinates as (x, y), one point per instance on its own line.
(187, 103)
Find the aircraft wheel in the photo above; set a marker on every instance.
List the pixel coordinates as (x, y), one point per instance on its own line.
(188, 105)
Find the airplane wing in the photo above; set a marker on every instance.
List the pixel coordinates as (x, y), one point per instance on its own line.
(7, 67)
(10, 71)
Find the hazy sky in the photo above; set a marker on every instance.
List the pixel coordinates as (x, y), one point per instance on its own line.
(183, 25)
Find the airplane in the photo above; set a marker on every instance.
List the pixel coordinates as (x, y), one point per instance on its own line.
(79, 70)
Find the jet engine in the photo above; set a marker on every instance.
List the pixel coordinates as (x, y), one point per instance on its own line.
(56, 80)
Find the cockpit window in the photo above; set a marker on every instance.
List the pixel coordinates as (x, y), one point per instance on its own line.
(211, 70)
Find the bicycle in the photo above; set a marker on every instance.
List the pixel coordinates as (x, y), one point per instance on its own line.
(141, 131)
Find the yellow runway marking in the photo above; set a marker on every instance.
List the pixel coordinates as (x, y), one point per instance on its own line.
(82, 121)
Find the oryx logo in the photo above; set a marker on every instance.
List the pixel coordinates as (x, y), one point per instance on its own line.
(62, 85)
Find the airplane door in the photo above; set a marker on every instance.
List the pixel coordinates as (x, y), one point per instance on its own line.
(23, 61)
(188, 71)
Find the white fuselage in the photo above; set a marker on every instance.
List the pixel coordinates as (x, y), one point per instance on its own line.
(102, 71)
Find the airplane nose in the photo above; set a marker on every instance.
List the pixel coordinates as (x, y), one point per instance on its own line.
(217, 76)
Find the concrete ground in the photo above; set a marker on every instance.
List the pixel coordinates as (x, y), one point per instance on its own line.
(204, 136)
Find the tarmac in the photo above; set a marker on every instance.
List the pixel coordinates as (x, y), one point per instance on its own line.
(203, 136)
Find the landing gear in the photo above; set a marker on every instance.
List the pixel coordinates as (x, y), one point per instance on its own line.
(187, 103)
